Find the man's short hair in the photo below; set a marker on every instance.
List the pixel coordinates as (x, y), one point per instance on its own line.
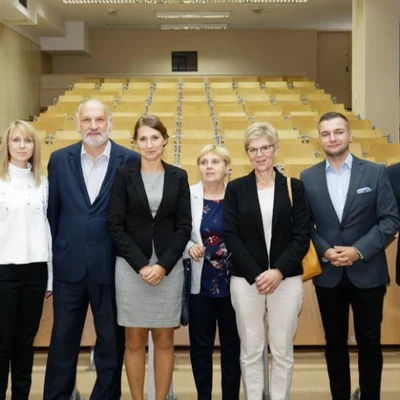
(332, 115)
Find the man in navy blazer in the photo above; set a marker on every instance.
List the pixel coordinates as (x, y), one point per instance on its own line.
(80, 181)
(394, 178)
(355, 216)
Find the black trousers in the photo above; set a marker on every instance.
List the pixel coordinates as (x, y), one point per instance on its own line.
(204, 315)
(22, 289)
(71, 301)
(367, 306)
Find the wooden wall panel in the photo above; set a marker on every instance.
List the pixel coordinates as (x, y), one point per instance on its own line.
(310, 331)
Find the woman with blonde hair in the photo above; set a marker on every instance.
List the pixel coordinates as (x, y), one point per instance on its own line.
(268, 239)
(210, 300)
(25, 255)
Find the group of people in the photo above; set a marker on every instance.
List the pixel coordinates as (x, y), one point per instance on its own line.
(111, 227)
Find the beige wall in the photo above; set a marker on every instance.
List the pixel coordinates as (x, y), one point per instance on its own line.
(147, 52)
(21, 65)
(376, 63)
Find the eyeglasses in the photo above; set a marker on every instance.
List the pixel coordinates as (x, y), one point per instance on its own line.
(267, 148)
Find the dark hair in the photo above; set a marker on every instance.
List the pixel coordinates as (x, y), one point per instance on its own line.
(152, 121)
(332, 115)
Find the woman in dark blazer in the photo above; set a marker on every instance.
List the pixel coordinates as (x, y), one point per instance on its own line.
(150, 223)
(268, 239)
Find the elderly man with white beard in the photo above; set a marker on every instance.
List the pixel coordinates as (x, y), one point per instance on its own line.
(80, 182)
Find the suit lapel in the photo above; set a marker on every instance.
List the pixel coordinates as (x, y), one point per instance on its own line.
(197, 206)
(75, 166)
(115, 161)
(138, 186)
(281, 192)
(253, 202)
(322, 185)
(169, 189)
(357, 172)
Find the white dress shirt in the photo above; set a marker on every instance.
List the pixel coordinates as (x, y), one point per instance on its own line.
(95, 172)
(338, 184)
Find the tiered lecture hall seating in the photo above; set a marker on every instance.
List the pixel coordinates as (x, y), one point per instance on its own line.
(202, 110)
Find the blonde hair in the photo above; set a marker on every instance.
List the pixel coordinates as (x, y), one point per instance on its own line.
(260, 130)
(216, 149)
(26, 129)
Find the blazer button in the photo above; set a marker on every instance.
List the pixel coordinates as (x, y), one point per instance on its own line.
(341, 229)
(89, 216)
(152, 224)
(88, 240)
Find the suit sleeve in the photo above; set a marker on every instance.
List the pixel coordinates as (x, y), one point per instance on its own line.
(183, 226)
(126, 247)
(394, 178)
(321, 245)
(301, 232)
(192, 240)
(387, 220)
(243, 260)
(54, 199)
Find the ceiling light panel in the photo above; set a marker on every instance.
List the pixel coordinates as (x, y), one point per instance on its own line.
(193, 14)
(192, 27)
(109, 2)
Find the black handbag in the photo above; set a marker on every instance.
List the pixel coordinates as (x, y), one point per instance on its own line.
(187, 284)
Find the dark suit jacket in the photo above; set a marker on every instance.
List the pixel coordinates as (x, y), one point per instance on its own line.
(244, 234)
(132, 226)
(370, 220)
(394, 178)
(81, 242)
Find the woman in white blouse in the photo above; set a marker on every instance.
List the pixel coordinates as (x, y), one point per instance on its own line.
(25, 254)
(268, 239)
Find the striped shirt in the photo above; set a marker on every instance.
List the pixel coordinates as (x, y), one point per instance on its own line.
(94, 172)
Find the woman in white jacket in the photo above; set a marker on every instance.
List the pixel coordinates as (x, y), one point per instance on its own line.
(210, 300)
(25, 255)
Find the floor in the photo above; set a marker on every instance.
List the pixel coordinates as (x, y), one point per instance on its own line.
(310, 381)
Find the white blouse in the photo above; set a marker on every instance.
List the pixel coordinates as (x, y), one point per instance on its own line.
(266, 199)
(24, 229)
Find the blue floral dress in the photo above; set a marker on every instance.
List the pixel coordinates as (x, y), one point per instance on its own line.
(215, 276)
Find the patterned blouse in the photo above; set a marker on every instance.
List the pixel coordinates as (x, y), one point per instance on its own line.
(215, 276)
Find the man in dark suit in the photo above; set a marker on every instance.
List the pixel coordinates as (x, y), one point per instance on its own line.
(80, 182)
(394, 178)
(355, 216)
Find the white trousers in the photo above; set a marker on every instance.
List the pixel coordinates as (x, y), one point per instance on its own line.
(280, 310)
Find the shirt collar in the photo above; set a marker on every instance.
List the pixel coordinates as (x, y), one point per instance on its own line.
(106, 152)
(348, 162)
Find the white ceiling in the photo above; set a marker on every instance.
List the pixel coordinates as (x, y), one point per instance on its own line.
(332, 15)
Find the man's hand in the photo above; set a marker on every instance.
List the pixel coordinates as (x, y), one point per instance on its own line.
(342, 256)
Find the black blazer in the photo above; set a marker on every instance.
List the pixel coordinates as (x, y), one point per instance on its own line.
(132, 226)
(244, 234)
(394, 177)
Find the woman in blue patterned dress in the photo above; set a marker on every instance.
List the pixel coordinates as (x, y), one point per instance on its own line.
(210, 300)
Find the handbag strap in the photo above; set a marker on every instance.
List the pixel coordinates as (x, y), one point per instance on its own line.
(289, 188)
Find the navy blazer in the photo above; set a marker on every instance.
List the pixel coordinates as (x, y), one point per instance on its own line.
(131, 223)
(244, 233)
(394, 178)
(370, 220)
(81, 243)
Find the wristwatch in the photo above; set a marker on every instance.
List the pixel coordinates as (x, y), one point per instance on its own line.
(359, 256)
